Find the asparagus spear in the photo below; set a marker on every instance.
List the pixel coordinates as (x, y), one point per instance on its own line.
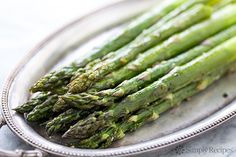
(128, 53)
(223, 55)
(185, 6)
(43, 111)
(63, 76)
(182, 8)
(117, 131)
(108, 82)
(205, 46)
(59, 91)
(56, 81)
(148, 59)
(108, 97)
(64, 120)
(162, 21)
(220, 20)
(39, 99)
(60, 105)
(134, 29)
(29, 106)
(223, 4)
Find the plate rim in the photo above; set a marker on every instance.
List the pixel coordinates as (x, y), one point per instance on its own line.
(213, 121)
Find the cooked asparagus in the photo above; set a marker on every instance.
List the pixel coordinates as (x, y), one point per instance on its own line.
(223, 4)
(221, 56)
(220, 21)
(116, 131)
(65, 120)
(165, 66)
(136, 27)
(56, 80)
(161, 52)
(108, 97)
(129, 52)
(42, 111)
(160, 59)
(60, 105)
(185, 6)
(63, 76)
(39, 99)
(29, 106)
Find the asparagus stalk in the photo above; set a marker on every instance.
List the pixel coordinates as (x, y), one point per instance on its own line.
(39, 99)
(223, 4)
(185, 6)
(29, 106)
(42, 111)
(182, 8)
(117, 131)
(63, 76)
(56, 81)
(152, 56)
(60, 105)
(128, 53)
(223, 55)
(134, 29)
(59, 91)
(108, 97)
(192, 36)
(64, 120)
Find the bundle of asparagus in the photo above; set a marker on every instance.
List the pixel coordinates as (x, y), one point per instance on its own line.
(107, 97)
(184, 18)
(200, 11)
(168, 54)
(63, 76)
(176, 79)
(117, 130)
(142, 43)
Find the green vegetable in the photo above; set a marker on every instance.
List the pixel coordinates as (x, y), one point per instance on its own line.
(160, 69)
(116, 131)
(63, 76)
(65, 120)
(185, 6)
(221, 56)
(29, 106)
(169, 48)
(40, 99)
(224, 3)
(42, 111)
(108, 97)
(128, 53)
(156, 26)
(60, 105)
(134, 29)
(56, 81)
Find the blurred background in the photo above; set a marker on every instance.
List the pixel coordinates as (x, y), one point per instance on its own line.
(25, 23)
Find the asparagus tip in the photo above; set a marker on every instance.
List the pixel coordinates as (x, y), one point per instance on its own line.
(59, 104)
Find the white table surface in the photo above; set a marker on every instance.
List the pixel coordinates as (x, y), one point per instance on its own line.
(24, 23)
